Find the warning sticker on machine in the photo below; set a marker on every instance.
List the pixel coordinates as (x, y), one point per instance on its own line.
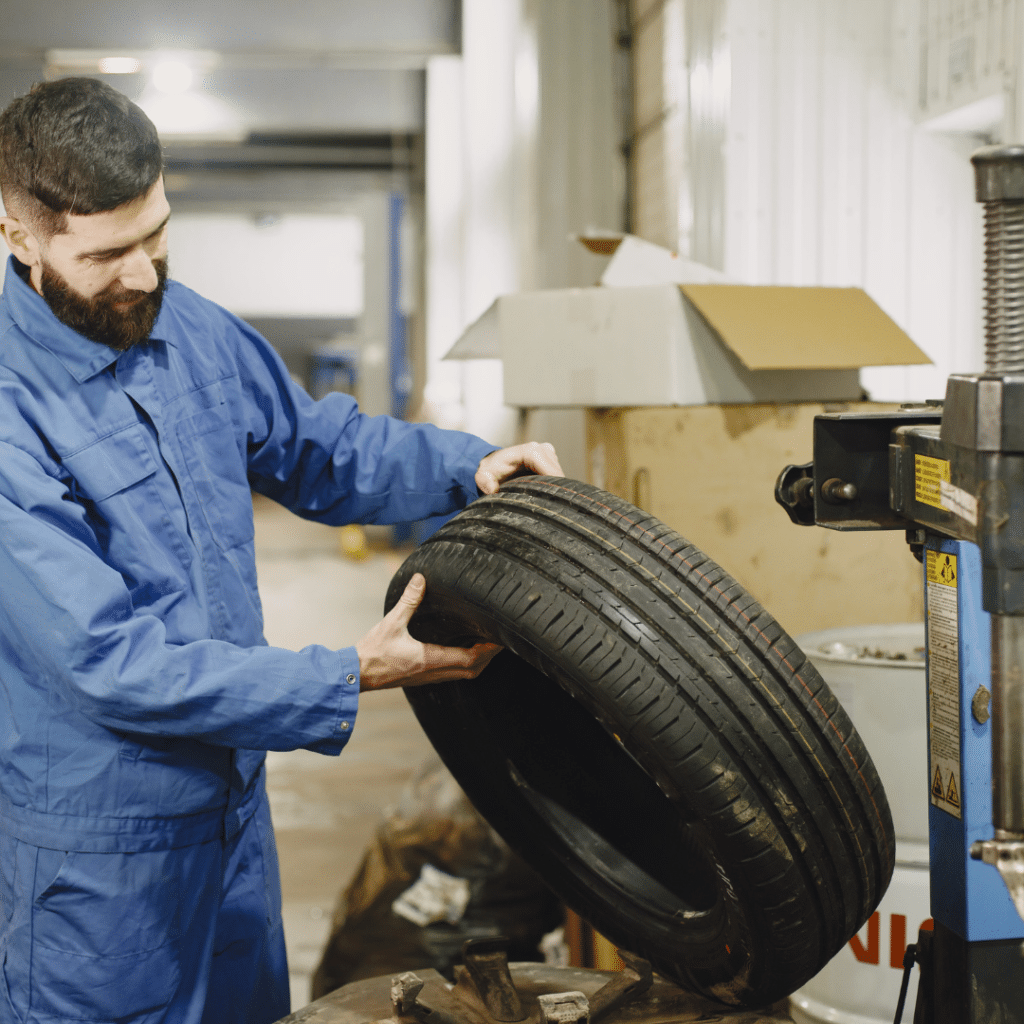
(928, 476)
(943, 680)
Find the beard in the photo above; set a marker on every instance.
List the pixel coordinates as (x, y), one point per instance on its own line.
(99, 318)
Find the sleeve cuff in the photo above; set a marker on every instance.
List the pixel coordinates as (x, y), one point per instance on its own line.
(344, 719)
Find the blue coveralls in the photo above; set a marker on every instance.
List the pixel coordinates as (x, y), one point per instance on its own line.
(138, 876)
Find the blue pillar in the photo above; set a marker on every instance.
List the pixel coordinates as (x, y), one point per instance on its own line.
(967, 896)
(399, 371)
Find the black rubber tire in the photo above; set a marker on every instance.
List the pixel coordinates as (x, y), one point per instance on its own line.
(691, 787)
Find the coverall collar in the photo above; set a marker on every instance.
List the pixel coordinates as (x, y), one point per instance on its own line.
(80, 356)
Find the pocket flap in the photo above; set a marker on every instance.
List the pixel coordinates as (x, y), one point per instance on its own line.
(112, 464)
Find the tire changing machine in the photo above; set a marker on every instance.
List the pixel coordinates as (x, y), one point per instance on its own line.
(952, 475)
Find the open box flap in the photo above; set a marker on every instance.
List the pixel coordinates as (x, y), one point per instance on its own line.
(774, 327)
(636, 262)
(481, 339)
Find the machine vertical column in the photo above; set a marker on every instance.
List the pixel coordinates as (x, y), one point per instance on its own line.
(999, 185)
(999, 181)
(1008, 725)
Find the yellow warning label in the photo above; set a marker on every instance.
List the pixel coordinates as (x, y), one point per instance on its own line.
(937, 785)
(941, 568)
(952, 796)
(928, 476)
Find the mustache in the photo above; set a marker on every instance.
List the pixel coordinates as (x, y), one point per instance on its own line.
(127, 301)
(123, 294)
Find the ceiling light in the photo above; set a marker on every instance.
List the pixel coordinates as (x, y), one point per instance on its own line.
(192, 115)
(119, 65)
(172, 77)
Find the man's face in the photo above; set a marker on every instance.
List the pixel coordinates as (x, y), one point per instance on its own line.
(116, 316)
(104, 276)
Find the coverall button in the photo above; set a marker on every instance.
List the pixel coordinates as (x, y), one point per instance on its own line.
(344, 726)
(350, 678)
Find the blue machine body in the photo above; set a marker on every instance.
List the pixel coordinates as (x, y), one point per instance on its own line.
(967, 896)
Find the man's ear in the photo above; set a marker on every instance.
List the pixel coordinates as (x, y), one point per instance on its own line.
(21, 241)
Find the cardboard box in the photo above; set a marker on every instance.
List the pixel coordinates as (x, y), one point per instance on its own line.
(659, 331)
(709, 472)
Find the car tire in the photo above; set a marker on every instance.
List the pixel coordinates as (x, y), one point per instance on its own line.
(650, 740)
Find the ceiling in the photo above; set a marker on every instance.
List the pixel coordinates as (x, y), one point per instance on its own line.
(375, 29)
(303, 66)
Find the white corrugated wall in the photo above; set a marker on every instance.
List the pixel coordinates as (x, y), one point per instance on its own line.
(831, 181)
(808, 157)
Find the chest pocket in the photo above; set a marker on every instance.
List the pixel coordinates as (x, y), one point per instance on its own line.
(112, 464)
(218, 475)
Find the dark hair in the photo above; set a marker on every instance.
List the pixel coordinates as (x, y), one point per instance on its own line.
(75, 145)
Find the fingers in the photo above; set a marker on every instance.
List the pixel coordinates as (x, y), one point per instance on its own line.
(546, 459)
(537, 457)
(411, 598)
(389, 656)
(441, 663)
(397, 620)
(486, 653)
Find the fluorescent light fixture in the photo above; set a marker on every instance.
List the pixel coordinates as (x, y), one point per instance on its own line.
(173, 96)
(88, 62)
(125, 62)
(191, 115)
(120, 65)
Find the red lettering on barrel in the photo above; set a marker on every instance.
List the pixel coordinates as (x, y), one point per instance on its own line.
(867, 955)
(897, 940)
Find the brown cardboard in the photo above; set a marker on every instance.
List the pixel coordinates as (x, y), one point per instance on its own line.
(783, 328)
(601, 245)
(709, 472)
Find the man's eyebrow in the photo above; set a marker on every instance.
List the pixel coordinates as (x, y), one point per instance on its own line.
(119, 250)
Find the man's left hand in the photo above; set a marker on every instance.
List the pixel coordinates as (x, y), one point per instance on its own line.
(507, 462)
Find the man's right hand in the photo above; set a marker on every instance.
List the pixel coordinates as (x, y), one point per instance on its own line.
(389, 656)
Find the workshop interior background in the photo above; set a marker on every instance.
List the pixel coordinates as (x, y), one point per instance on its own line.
(360, 179)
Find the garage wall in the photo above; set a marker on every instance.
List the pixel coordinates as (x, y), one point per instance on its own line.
(580, 174)
(831, 180)
(472, 202)
(806, 159)
(969, 54)
(523, 152)
(660, 118)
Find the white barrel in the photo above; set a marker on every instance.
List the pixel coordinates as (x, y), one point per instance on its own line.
(878, 674)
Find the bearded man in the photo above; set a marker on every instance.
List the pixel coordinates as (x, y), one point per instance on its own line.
(138, 876)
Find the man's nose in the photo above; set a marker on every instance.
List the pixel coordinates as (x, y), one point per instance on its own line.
(138, 272)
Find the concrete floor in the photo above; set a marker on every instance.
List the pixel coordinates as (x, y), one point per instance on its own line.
(326, 808)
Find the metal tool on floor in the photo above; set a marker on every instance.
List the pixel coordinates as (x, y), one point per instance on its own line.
(489, 990)
(485, 975)
(952, 476)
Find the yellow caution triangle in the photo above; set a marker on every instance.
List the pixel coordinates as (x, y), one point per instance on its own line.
(952, 796)
(937, 786)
